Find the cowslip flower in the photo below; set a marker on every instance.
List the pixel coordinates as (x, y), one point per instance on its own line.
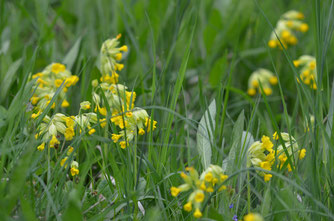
(286, 28)
(201, 187)
(266, 78)
(264, 154)
(253, 217)
(308, 72)
(47, 83)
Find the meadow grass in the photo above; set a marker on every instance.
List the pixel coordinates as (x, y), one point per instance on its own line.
(189, 64)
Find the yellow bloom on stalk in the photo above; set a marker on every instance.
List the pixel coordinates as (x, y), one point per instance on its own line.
(308, 71)
(63, 161)
(47, 83)
(41, 147)
(69, 133)
(74, 168)
(70, 150)
(201, 186)
(263, 76)
(263, 155)
(54, 141)
(85, 105)
(286, 28)
(253, 217)
(123, 144)
(57, 67)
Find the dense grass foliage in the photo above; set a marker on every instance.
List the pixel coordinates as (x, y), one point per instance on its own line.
(188, 61)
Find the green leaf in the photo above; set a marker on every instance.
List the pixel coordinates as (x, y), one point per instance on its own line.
(9, 78)
(205, 134)
(73, 210)
(72, 55)
(217, 71)
(237, 152)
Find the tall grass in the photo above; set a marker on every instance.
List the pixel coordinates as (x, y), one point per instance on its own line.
(189, 63)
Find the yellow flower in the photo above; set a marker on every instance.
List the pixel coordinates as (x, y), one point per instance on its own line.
(85, 105)
(267, 177)
(272, 44)
(123, 144)
(70, 150)
(188, 207)
(63, 161)
(58, 82)
(251, 91)
(74, 171)
(175, 191)
(103, 111)
(69, 133)
(208, 177)
(273, 80)
(118, 56)
(57, 67)
(267, 91)
(124, 48)
(41, 147)
(115, 137)
(197, 213)
(34, 100)
(265, 165)
(54, 141)
(302, 153)
(275, 136)
(103, 122)
(65, 103)
(141, 131)
(91, 131)
(253, 217)
(303, 27)
(266, 143)
(199, 197)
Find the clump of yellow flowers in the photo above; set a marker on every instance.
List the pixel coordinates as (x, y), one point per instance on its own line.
(46, 85)
(308, 72)
(266, 78)
(286, 27)
(201, 186)
(263, 154)
(130, 119)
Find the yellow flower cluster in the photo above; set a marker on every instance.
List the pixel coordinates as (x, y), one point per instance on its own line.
(266, 78)
(200, 186)
(289, 23)
(53, 127)
(74, 164)
(308, 71)
(46, 85)
(130, 119)
(263, 155)
(110, 54)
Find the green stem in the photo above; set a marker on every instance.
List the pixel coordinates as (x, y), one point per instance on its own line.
(248, 192)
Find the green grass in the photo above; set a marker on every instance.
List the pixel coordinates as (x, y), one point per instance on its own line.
(189, 63)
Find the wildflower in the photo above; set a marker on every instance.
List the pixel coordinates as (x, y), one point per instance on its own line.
(302, 153)
(69, 133)
(200, 186)
(57, 67)
(41, 147)
(141, 131)
(286, 28)
(263, 76)
(74, 168)
(197, 213)
(123, 144)
(175, 191)
(54, 141)
(188, 207)
(308, 72)
(253, 217)
(266, 143)
(70, 150)
(115, 137)
(63, 161)
(65, 103)
(91, 131)
(85, 105)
